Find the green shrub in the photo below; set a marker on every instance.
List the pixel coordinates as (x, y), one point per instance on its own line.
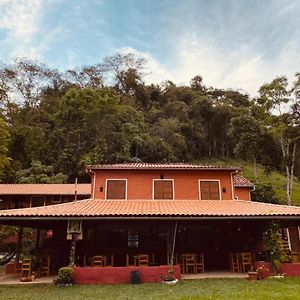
(64, 276)
(275, 245)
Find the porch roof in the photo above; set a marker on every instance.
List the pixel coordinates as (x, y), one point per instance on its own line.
(159, 209)
(44, 189)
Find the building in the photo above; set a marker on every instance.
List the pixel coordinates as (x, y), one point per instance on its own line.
(33, 195)
(161, 210)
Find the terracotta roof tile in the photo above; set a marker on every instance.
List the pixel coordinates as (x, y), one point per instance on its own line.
(240, 181)
(44, 189)
(160, 166)
(154, 208)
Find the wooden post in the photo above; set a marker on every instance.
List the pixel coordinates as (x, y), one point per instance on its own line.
(173, 245)
(37, 241)
(19, 247)
(168, 245)
(73, 250)
(75, 189)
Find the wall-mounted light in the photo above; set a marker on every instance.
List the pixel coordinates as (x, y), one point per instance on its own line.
(162, 176)
(101, 188)
(224, 190)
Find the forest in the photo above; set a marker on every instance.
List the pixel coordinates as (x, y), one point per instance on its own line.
(53, 123)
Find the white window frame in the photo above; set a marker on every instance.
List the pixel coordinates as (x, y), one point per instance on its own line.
(59, 201)
(38, 196)
(165, 179)
(199, 187)
(107, 179)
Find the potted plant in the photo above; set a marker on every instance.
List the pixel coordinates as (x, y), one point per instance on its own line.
(275, 246)
(64, 277)
(169, 278)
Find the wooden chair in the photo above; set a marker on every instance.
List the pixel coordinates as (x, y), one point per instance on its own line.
(234, 262)
(45, 266)
(111, 261)
(127, 260)
(246, 261)
(143, 260)
(295, 256)
(98, 261)
(190, 263)
(200, 263)
(26, 267)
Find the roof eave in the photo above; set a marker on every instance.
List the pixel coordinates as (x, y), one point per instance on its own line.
(183, 218)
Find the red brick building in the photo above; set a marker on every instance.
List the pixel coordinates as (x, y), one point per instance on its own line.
(135, 208)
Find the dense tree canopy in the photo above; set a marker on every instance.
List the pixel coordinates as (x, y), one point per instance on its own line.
(105, 113)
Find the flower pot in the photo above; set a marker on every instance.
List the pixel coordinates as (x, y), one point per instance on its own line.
(252, 275)
(26, 279)
(170, 282)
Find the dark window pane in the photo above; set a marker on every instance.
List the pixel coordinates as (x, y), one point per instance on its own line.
(37, 201)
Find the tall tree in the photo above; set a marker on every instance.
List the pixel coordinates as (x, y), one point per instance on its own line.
(274, 96)
(4, 140)
(247, 133)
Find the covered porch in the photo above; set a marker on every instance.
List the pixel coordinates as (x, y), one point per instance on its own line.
(198, 237)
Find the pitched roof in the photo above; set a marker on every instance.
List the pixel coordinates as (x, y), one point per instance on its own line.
(158, 166)
(240, 181)
(102, 209)
(44, 189)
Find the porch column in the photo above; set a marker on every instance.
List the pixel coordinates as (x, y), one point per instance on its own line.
(73, 249)
(19, 247)
(37, 241)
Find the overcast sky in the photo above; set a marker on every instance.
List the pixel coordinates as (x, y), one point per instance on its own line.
(231, 44)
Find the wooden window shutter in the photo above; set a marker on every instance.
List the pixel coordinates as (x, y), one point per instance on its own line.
(116, 189)
(163, 189)
(209, 190)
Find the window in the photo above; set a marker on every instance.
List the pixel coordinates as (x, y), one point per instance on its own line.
(116, 189)
(2, 204)
(163, 189)
(37, 201)
(133, 239)
(209, 190)
(56, 199)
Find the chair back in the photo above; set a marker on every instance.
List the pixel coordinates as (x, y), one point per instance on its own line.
(45, 265)
(143, 260)
(97, 261)
(246, 257)
(26, 267)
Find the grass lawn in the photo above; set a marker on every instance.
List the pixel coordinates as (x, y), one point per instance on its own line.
(288, 288)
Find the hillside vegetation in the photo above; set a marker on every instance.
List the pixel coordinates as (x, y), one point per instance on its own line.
(277, 180)
(53, 123)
